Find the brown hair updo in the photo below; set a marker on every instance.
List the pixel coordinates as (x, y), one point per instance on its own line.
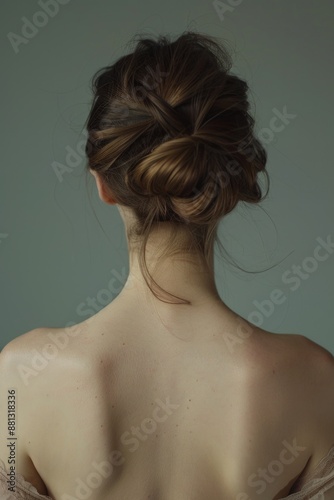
(171, 136)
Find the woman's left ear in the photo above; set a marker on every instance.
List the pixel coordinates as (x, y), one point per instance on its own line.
(103, 193)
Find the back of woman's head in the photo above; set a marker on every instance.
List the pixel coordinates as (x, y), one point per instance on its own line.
(171, 136)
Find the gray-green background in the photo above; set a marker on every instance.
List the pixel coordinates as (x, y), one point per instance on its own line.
(53, 252)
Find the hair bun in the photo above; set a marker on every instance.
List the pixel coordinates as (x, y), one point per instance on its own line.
(170, 169)
(198, 180)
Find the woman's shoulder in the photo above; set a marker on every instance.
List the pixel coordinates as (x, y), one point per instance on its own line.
(296, 374)
(42, 350)
(303, 356)
(291, 355)
(289, 369)
(290, 350)
(293, 359)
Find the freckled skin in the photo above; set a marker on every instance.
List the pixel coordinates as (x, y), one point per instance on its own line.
(227, 422)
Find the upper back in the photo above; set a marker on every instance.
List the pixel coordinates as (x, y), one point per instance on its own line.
(127, 414)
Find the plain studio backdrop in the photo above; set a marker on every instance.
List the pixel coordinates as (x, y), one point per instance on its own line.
(63, 253)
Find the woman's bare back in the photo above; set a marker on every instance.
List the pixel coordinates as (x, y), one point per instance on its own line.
(129, 410)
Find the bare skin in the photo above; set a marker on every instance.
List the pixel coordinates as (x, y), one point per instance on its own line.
(148, 400)
(231, 411)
